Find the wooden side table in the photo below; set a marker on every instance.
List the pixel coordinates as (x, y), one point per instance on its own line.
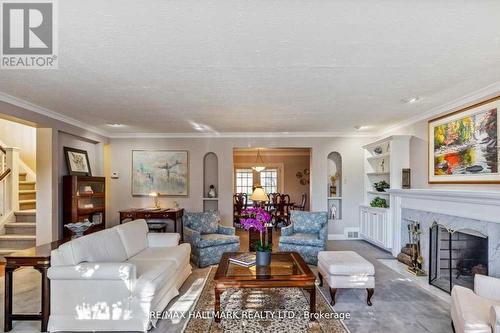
(38, 258)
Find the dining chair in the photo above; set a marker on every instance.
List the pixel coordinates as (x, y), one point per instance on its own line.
(302, 205)
(282, 210)
(240, 202)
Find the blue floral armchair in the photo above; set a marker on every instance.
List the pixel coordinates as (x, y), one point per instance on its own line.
(306, 235)
(208, 239)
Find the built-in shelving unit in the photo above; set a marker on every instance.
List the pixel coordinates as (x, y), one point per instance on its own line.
(334, 190)
(210, 177)
(385, 160)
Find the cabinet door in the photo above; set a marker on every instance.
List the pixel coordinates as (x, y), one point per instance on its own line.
(381, 229)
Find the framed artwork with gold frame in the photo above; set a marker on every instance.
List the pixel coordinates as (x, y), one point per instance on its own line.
(463, 145)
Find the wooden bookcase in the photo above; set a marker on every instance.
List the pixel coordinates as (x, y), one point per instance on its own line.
(80, 203)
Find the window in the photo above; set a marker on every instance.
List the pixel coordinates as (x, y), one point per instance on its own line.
(269, 180)
(244, 181)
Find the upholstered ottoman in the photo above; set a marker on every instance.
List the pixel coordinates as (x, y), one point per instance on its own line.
(346, 269)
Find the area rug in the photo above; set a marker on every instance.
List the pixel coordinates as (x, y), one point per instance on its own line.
(262, 310)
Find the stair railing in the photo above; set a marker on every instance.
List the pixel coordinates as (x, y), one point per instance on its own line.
(9, 180)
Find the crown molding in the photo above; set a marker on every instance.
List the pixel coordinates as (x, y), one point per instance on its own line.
(477, 96)
(49, 113)
(252, 135)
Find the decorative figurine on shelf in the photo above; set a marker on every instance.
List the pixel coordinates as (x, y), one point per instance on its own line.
(212, 193)
(417, 260)
(78, 228)
(377, 150)
(382, 165)
(333, 184)
(333, 212)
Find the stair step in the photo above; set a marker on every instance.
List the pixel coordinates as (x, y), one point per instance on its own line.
(18, 242)
(28, 215)
(27, 194)
(22, 176)
(27, 185)
(20, 228)
(27, 204)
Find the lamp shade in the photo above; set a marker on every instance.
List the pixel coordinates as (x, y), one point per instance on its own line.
(259, 194)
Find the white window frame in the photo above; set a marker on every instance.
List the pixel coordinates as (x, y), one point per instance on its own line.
(278, 166)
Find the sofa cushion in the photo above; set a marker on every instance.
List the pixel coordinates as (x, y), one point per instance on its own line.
(204, 223)
(103, 246)
(308, 222)
(209, 240)
(134, 236)
(473, 309)
(344, 263)
(178, 254)
(302, 239)
(153, 275)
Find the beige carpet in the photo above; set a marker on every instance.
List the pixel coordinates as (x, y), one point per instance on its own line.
(262, 310)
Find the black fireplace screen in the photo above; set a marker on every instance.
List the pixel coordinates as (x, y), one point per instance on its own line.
(455, 257)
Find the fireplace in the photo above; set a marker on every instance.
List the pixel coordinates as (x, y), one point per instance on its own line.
(455, 256)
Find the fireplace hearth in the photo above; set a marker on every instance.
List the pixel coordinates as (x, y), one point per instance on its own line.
(455, 256)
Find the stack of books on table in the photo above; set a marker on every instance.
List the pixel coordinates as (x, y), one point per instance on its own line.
(244, 259)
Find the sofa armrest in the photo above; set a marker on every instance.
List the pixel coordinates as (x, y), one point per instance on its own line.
(223, 230)
(156, 239)
(495, 318)
(287, 231)
(191, 236)
(121, 271)
(487, 287)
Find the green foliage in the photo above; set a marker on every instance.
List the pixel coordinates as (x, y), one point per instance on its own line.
(263, 247)
(379, 202)
(381, 186)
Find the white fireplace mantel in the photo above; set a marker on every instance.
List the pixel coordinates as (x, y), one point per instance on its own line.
(479, 205)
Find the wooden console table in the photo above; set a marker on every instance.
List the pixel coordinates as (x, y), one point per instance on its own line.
(38, 258)
(174, 214)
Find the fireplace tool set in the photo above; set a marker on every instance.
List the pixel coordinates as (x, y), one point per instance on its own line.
(414, 233)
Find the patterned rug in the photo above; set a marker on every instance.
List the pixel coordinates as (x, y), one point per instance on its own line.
(262, 310)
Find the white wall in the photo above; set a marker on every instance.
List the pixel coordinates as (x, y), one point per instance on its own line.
(14, 134)
(119, 156)
(419, 157)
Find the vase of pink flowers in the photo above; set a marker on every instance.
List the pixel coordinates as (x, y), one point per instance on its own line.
(257, 218)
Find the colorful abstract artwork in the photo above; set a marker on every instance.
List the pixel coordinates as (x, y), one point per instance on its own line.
(463, 146)
(161, 171)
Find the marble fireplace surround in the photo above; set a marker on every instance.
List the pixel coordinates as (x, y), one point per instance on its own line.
(473, 210)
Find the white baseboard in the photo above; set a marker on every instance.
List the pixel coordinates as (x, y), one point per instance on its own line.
(337, 237)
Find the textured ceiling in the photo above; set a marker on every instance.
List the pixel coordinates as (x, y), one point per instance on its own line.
(262, 66)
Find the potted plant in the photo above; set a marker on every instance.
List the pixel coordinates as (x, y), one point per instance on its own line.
(379, 203)
(381, 186)
(257, 218)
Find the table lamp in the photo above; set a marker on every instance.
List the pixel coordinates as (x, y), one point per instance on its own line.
(156, 201)
(259, 195)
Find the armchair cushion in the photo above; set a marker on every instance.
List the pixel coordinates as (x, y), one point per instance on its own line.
(470, 312)
(192, 236)
(302, 239)
(226, 230)
(487, 287)
(287, 231)
(204, 222)
(209, 240)
(308, 222)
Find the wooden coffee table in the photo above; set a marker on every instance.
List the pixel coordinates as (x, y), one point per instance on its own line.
(287, 270)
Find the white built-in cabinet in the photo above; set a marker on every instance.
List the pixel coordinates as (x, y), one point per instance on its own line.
(385, 159)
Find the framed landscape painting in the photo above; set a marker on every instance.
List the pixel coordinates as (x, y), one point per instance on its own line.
(163, 171)
(463, 145)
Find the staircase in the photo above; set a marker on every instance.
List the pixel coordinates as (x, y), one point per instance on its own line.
(20, 234)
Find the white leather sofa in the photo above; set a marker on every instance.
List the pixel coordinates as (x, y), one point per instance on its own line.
(477, 311)
(111, 280)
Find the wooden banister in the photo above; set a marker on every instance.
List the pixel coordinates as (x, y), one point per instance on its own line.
(4, 174)
(2, 149)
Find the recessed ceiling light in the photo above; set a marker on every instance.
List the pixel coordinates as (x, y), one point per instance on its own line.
(115, 125)
(412, 100)
(361, 127)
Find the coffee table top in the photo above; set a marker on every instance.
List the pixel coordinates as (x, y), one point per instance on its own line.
(284, 267)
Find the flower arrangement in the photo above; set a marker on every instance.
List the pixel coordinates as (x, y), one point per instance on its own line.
(257, 218)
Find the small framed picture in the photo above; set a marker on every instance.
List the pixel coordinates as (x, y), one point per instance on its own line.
(77, 162)
(406, 179)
